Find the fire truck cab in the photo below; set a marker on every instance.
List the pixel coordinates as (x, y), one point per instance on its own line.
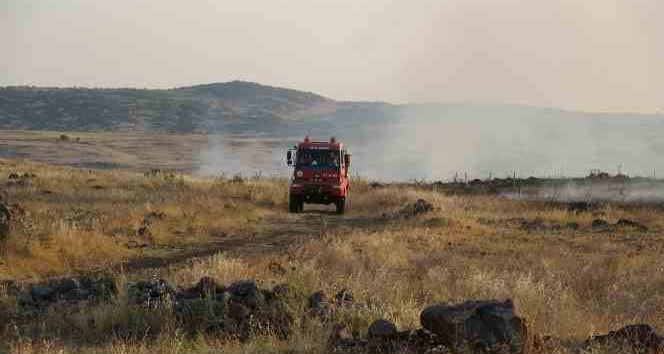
(320, 174)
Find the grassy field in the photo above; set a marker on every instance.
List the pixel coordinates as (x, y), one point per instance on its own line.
(129, 151)
(569, 279)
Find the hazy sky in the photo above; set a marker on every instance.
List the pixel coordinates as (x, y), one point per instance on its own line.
(600, 55)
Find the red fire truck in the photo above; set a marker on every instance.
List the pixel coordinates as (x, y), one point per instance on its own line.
(320, 174)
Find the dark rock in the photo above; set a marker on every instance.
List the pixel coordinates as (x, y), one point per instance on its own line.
(319, 304)
(420, 340)
(282, 291)
(422, 207)
(581, 207)
(41, 293)
(144, 231)
(148, 293)
(238, 311)
(64, 285)
(489, 324)
(631, 223)
(418, 208)
(71, 290)
(5, 218)
(154, 215)
(382, 329)
(538, 224)
(101, 287)
(344, 298)
(192, 307)
(318, 299)
(256, 299)
(243, 288)
(639, 338)
(205, 287)
(572, 226)
(599, 224)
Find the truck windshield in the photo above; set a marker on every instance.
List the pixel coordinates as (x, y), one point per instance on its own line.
(319, 159)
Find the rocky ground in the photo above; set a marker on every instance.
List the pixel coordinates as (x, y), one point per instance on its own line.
(158, 262)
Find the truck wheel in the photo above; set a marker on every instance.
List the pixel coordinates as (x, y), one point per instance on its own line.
(341, 206)
(294, 204)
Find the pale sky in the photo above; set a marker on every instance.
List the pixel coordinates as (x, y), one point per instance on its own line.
(594, 55)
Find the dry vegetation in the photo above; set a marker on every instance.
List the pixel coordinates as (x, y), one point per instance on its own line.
(568, 282)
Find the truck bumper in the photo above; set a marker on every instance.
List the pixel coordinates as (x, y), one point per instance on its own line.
(318, 194)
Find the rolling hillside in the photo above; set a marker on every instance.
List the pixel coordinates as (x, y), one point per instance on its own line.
(229, 107)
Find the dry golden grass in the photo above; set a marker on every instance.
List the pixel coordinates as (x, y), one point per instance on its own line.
(568, 283)
(78, 219)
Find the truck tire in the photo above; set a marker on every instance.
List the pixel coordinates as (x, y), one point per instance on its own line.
(295, 204)
(341, 206)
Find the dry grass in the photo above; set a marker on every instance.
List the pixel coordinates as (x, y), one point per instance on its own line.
(72, 220)
(567, 283)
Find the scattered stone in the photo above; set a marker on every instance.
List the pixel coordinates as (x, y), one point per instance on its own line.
(420, 207)
(631, 223)
(283, 291)
(41, 293)
(599, 224)
(159, 173)
(638, 338)
(572, 226)
(5, 218)
(154, 215)
(319, 304)
(150, 293)
(488, 324)
(144, 231)
(539, 224)
(206, 287)
(243, 288)
(344, 298)
(409, 341)
(382, 329)
(581, 207)
(67, 290)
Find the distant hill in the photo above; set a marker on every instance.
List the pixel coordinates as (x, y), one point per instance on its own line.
(245, 107)
(234, 106)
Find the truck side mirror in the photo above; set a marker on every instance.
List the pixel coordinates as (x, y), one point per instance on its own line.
(289, 158)
(347, 160)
